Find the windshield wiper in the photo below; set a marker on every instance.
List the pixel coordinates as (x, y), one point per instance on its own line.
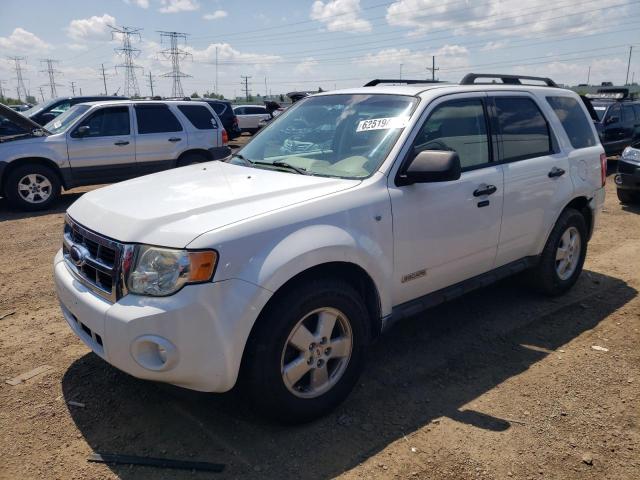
(279, 163)
(241, 157)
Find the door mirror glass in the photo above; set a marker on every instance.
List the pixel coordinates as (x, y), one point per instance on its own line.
(432, 166)
(611, 120)
(83, 131)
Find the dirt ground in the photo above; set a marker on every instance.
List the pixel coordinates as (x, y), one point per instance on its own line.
(499, 384)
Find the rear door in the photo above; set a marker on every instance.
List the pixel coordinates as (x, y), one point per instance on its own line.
(205, 131)
(160, 137)
(537, 180)
(629, 124)
(106, 152)
(614, 131)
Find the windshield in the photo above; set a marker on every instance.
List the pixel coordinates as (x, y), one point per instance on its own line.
(64, 120)
(39, 107)
(600, 110)
(332, 135)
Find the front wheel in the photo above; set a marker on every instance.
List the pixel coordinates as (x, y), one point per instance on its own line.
(307, 352)
(628, 197)
(32, 187)
(563, 256)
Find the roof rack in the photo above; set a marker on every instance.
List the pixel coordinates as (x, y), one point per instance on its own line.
(470, 79)
(378, 81)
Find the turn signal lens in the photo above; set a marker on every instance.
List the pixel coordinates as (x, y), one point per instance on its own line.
(201, 265)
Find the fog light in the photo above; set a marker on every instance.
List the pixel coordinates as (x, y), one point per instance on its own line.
(617, 179)
(154, 353)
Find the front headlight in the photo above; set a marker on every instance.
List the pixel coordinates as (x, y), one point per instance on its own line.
(163, 271)
(632, 154)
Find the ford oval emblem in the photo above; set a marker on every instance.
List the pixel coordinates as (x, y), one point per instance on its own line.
(78, 255)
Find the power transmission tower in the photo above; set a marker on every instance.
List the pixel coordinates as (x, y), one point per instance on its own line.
(245, 85)
(128, 53)
(626, 80)
(42, 94)
(104, 79)
(2, 82)
(150, 83)
(433, 68)
(20, 88)
(51, 71)
(73, 88)
(175, 54)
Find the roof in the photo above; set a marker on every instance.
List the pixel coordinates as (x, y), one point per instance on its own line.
(138, 102)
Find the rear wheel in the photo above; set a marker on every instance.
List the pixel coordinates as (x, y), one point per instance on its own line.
(563, 256)
(628, 197)
(32, 187)
(306, 354)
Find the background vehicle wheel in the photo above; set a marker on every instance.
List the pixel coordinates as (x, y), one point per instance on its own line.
(307, 352)
(191, 159)
(32, 187)
(628, 197)
(563, 256)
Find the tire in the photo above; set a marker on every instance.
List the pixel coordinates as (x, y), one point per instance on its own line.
(548, 276)
(46, 185)
(627, 197)
(191, 159)
(270, 350)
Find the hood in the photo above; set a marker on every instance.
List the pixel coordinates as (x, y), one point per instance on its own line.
(19, 120)
(174, 207)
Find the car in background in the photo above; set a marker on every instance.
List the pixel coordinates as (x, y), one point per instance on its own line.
(43, 113)
(249, 117)
(224, 110)
(103, 142)
(21, 108)
(618, 122)
(628, 177)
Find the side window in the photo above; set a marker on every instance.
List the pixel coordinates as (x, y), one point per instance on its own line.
(614, 114)
(156, 119)
(256, 110)
(574, 121)
(636, 108)
(524, 130)
(459, 126)
(240, 111)
(219, 108)
(199, 116)
(627, 114)
(107, 122)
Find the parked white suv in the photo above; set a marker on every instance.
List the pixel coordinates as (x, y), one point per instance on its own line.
(249, 117)
(103, 142)
(352, 210)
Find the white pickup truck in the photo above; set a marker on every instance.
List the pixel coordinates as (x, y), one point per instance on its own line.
(351, 210)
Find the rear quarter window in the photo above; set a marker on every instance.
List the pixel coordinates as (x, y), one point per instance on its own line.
(574, 121)
(199, 116)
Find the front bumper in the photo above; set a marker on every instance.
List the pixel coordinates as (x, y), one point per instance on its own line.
(194, 338)
(628, 176)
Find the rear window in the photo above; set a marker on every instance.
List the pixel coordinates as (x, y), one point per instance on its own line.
(219, 108)
(156, 119)
(199, 116)
(574, 121)
(525, 132)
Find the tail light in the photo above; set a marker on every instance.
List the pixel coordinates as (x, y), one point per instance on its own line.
(225, 137)
(603, 168)
(235, 120)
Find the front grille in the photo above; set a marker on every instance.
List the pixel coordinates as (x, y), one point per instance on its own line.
(624, 167)
(97, 259)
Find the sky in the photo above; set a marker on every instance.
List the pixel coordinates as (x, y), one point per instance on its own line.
(287, 45)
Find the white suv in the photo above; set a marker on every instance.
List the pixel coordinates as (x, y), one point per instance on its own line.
(103, 142)
(353, 209)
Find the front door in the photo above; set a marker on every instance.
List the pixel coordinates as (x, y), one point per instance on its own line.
(446, 232)
(102, 148)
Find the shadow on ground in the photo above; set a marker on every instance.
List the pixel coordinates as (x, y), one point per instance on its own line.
(9, 213)
(426, 367)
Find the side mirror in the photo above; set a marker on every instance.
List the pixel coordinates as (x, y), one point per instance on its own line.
(611, 120)
(432, 166)
(83, 131)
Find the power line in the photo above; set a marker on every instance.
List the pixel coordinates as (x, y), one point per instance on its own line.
(626, 80)
(174, 53)
(51, 71)
(20, 88)
(128, 53)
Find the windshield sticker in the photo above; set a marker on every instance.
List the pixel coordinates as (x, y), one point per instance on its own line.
(57, 124)
(382, 123)
(599, 108)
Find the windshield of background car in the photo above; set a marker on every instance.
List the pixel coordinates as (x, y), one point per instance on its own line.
(64, 120)
(39, 107)
(600, 109)
(333, 135)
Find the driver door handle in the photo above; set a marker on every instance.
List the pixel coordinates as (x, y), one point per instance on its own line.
(174, 139)
(487, 190)
(556, 172)
(121, 142)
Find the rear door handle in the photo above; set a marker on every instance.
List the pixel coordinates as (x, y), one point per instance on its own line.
(122, 142)
(174, 139)
(556, 172)
(488, 190)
